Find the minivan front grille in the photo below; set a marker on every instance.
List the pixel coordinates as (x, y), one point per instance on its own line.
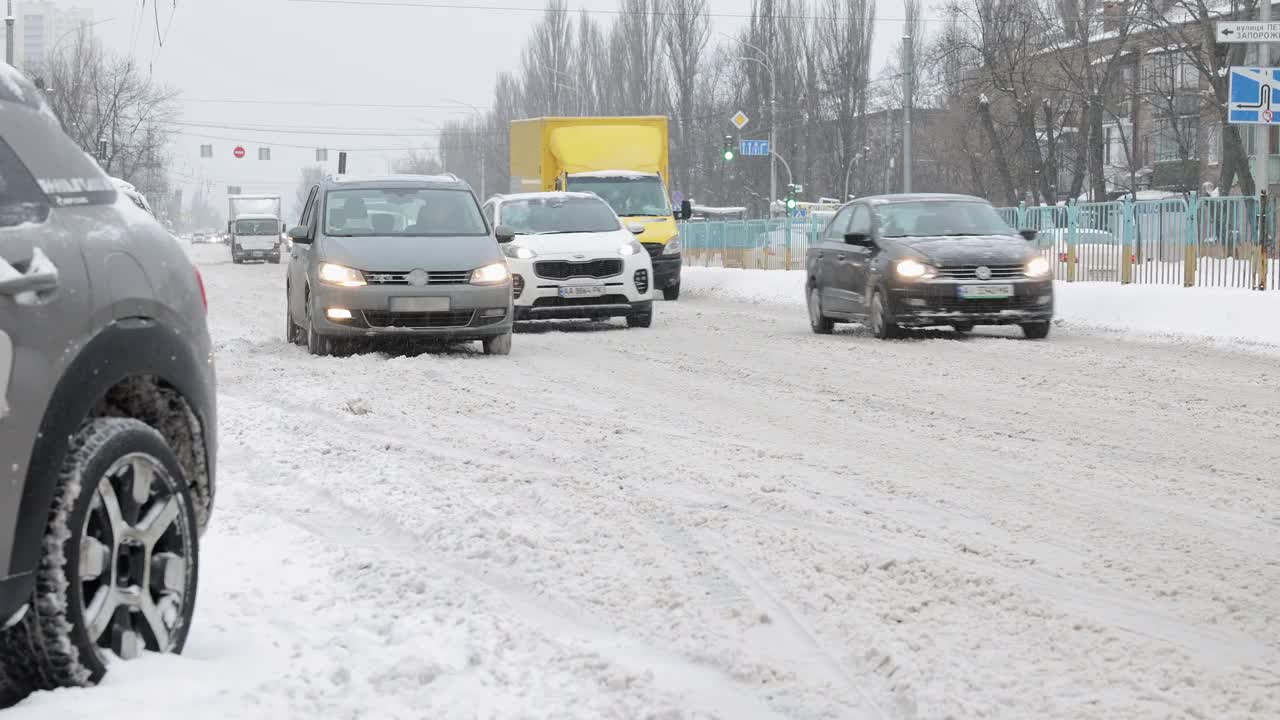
(450, 277)
(563, 269)
(655, 249)
(451, 319)
(970, 272)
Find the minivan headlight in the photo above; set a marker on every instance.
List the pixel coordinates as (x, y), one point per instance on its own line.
(1038, 268)
(494, 274)
(332, 274)
(672, 247)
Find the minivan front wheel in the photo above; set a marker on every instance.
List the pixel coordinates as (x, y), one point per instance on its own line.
(317, 344)
(497, 345)
(120, 561)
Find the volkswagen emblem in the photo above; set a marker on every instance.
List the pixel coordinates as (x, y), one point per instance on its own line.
(418, 278)
(983, 273)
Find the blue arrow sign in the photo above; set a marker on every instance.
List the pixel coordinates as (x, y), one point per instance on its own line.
(755, 148)
(1254, 97)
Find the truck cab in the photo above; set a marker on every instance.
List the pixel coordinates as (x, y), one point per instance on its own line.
(255, 237)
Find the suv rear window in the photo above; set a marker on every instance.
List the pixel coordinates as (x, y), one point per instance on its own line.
(21, 200)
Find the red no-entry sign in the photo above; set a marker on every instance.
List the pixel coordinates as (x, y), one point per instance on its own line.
(239, 152)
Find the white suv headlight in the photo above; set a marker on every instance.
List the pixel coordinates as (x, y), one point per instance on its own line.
(673, 246)
(518, 252)
(332, 274)
(494, 274)
(631, 248)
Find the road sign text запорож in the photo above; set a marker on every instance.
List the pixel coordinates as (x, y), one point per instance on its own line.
(1248, 32)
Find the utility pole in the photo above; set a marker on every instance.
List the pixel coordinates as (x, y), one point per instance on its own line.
(1262, 136)
(908, 91)
(9, 20)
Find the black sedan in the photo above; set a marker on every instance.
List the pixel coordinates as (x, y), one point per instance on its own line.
(899, 261)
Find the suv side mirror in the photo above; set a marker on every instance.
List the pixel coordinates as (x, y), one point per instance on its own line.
(300, 235)
(504, 234)
(1029, 235)
(859, 239)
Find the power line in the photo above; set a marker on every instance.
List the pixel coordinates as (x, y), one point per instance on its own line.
(316, 103)
(619, 12)
(204, 136)
(296, 130)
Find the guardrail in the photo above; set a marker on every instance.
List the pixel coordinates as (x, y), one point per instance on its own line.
(1194, 242)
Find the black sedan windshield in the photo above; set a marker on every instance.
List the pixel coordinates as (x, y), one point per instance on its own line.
(940, 218)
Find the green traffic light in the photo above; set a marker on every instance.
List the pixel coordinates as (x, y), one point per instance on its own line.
(791, 204)
(728, 154)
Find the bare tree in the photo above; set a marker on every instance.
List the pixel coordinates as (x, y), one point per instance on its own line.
(685, 35)
(549, 87)
(845, 37)
(99, 97)
(635, 51)
(1189, 26)
(418, 162)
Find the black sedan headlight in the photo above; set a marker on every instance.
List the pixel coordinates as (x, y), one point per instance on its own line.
(915, 270)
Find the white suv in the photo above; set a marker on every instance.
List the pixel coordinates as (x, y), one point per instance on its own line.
(571, 257)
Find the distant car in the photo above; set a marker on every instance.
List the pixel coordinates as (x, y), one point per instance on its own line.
(107, 414)
(571, 257)
(257, 238)
(440, 277)
(898, 261)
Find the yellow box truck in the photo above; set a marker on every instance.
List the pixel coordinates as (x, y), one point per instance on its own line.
(621, 159)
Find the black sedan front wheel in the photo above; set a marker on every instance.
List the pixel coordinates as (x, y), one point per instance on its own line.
(1036, 330)
(882, 324)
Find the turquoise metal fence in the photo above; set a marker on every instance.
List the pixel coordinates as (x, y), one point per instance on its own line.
(1192, 241)
(778, 244)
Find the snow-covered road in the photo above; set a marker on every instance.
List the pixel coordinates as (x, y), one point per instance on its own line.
(726, 516)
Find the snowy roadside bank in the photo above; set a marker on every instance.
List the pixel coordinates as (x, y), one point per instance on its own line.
(1224, 314)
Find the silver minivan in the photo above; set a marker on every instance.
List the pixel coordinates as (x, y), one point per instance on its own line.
(400, 256)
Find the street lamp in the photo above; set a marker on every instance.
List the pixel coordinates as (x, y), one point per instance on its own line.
(849, 173)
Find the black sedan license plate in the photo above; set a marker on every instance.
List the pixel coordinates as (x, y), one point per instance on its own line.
(985, 292)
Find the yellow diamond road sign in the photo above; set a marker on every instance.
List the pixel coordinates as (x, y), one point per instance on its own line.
(740, 120)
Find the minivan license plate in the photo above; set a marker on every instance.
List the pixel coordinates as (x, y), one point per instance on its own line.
(985, 292)
(582, 291)
(419, 304)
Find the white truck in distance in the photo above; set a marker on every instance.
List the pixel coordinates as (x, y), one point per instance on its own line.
(255, 227)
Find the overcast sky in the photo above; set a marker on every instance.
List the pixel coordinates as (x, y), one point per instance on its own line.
(286, 53)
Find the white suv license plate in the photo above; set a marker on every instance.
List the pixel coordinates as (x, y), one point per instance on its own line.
(985, 292)
(582, 291)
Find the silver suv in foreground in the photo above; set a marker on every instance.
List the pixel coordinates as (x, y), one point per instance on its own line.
(107, 414)
(408, 257)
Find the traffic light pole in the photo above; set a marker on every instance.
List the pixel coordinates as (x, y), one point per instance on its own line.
(9, 20)
(1262, 139)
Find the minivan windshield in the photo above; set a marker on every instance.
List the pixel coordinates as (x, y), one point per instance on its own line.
(402, 212)
(559, 215)
(253, 227)
(940, 218)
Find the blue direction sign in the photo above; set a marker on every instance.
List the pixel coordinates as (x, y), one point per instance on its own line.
(754, 148)
(1254, 97)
